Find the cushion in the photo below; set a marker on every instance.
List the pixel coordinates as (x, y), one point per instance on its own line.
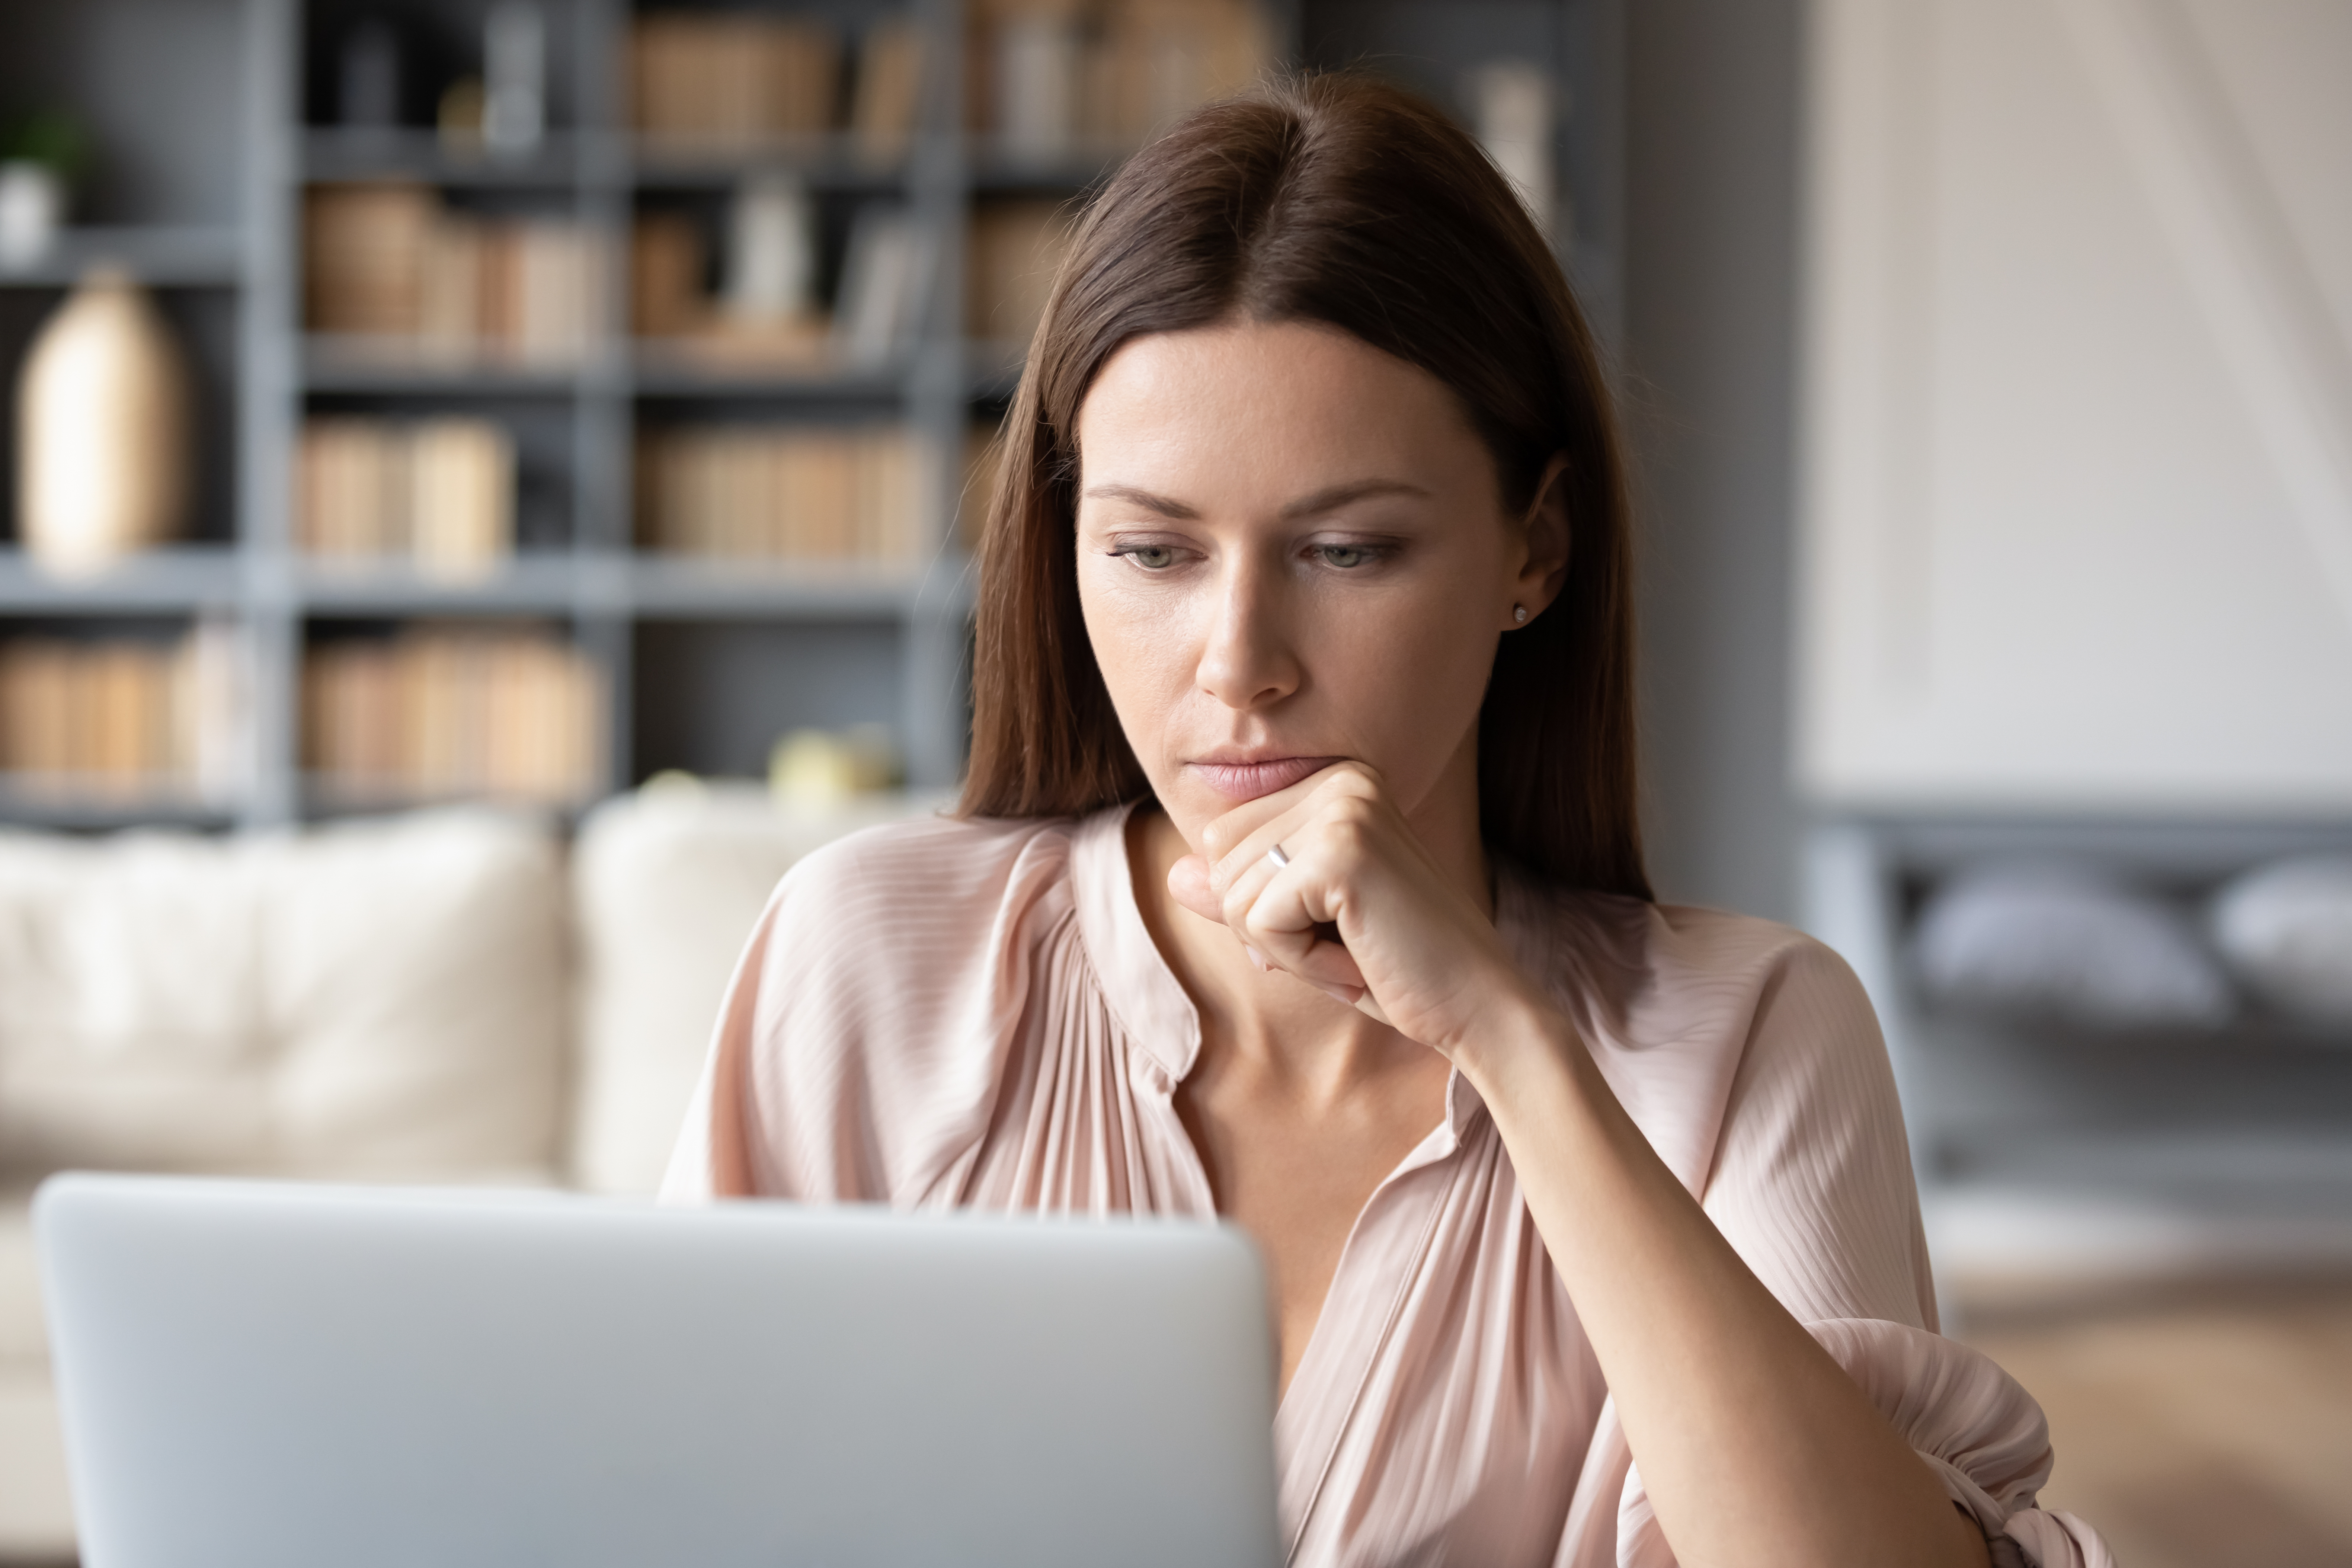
(2286, 931)
(669, 883)
(35, 1509)
(2068, 943)
(383, 998)
(24, 1342)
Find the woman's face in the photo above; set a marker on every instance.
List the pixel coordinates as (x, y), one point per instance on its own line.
(1292, 550)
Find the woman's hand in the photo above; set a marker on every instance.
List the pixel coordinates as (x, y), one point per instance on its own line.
(1362, 912)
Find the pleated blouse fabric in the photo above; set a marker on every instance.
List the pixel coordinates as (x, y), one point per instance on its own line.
(946, 1014)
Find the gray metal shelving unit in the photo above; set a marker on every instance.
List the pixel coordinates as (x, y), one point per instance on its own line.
(201, 110)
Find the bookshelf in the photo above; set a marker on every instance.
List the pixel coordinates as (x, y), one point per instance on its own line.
(218, 130)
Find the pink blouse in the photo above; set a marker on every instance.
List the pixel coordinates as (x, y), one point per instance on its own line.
(943, 1015)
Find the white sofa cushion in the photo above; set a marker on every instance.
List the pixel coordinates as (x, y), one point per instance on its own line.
(669, 883)
(35, 1509)
(374, 999)
(24, 1338)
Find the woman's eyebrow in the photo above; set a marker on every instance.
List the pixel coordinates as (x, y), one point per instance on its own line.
(1333, 497)
(1165, 506)
(1328, 499)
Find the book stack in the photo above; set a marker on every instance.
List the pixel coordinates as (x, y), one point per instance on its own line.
(889, 90)
(1053, 79)
(1014, 249)
(513, 713)
(668, 268)
(794, 493)
(732, 78)
(118, 720)
(727, 80)
(388, 261)
(885, 275)
(439, 491)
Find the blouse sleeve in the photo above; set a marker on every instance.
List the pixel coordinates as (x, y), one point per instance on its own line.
(1812, 1185)
(857, 1052)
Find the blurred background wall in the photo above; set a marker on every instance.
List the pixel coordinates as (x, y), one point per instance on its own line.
(1711, 230)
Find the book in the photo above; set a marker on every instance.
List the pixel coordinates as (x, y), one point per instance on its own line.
(885, 274)
(1053, 79)
(782, 493)
(1156, 59)
(389, 264)
(363, 256)
(461, 497)
(668, 264)
(441, 491)
(439, 711)
(116, 720)
(1011, 255)
(888, 95)
(731, 79)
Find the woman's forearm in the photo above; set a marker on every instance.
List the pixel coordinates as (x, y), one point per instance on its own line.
(1755, 1447)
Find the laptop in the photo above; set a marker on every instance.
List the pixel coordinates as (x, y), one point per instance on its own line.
(268, 1375)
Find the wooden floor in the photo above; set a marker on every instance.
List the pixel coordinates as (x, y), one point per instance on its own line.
(2202, 1426)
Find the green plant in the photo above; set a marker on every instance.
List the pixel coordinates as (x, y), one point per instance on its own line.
(46, 136)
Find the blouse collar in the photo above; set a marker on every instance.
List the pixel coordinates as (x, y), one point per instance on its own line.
(1143, 992)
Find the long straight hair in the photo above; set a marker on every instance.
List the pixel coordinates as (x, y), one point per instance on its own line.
(1342, 200)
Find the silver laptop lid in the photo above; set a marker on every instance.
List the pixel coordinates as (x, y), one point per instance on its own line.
(259, 1375)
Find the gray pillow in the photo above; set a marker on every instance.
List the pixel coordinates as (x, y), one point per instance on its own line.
(2286, 931)
(2069, 943)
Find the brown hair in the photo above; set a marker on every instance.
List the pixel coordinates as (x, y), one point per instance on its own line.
(1342, 200)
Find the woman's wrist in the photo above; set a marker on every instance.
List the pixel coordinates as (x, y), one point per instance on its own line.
(1520, 1039)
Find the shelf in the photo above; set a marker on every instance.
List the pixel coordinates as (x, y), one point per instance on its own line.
(332, 155)
(100, 803)
(531, 582)
(325, 797)
(162, 255)
(837, 162)
(183, 578)
(894, 632)
(646, 585)
(396, 367)
(711, 588)
(660, 371)
(999, 169)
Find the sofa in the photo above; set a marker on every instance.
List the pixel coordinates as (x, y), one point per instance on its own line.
(465, 996)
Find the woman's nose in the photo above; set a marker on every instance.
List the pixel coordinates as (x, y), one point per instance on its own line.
(1247, 655)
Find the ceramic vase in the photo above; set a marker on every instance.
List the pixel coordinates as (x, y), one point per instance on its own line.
(102, 429)
(32, 206)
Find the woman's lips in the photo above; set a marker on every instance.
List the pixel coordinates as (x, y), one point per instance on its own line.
(1247, 781)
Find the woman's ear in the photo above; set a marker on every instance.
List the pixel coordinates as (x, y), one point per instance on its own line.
(1544, 539)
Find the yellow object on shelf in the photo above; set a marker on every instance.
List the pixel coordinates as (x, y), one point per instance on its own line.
(821, 767)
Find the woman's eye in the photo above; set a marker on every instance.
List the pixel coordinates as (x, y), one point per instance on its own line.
(1151, 557)
(1345, 556)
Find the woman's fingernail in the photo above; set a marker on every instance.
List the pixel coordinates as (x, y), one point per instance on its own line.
(1256, 957)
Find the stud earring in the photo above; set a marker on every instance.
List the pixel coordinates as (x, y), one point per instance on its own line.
(1519, 614)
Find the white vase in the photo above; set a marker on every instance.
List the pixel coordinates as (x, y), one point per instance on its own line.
(32, 206)
(101, 429)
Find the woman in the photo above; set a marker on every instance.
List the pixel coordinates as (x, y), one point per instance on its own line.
(1297, 879)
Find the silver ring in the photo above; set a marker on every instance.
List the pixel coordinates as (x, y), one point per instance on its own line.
(1279, 858)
